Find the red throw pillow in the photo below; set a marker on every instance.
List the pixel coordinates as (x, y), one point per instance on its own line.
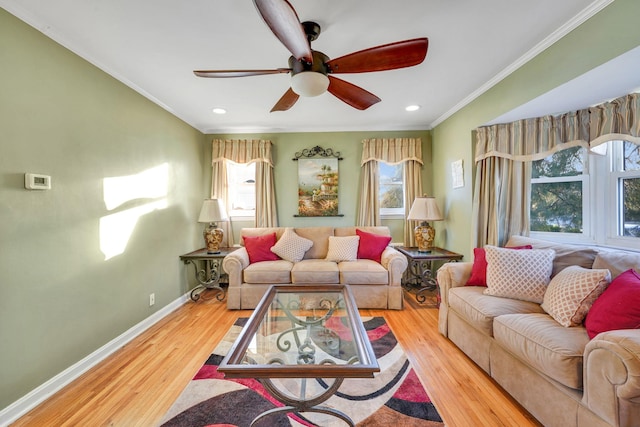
(479, 269)
(618, 307)
(371, 245)
(259, 247)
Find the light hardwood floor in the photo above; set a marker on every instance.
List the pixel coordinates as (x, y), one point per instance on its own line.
(137, 385)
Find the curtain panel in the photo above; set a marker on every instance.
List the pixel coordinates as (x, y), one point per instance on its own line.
(392, 151)
(245, 151)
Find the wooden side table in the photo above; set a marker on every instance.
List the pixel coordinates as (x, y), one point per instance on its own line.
(420, 272)
(208, 271)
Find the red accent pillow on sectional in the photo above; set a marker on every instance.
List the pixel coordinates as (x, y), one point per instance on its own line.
(259, 247)
(479, 269)
(371, 245)
(618, 307)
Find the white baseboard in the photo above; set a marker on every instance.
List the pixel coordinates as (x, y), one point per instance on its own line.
(38, 395)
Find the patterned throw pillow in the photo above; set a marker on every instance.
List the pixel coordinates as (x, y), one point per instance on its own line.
(571, 293)
(343, 248)
(522, 275)
(291, 246)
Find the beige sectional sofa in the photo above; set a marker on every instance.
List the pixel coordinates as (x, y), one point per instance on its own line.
(560, 375)
(374, 284)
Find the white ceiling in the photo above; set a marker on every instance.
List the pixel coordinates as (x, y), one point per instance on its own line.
(153, 46)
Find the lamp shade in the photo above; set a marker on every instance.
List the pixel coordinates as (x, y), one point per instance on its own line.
(309, 83)
(213, 211)
(425, 209)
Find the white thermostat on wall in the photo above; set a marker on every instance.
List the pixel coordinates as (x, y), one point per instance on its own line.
(36, 181)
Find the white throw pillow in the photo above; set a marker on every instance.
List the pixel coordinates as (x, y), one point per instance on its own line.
(522, 275)
(343, 248)
(572, 292)
(291, 246)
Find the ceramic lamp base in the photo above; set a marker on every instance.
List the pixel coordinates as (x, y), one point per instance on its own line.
(425, 234)
(212, 238)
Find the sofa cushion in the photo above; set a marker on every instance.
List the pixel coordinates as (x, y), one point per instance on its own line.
(259, 247)
(521, 275)
(479, 269)
(480, 309)
(343, 248)
(315, 271)
(617, 262)
(291, 246)
(566, 255)
(618, 307)
(320, 238)
(371, 245)
(273, 272)
(572, 292)
(363, 271)
(544, 344)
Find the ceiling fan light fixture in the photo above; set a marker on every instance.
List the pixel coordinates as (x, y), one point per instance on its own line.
(309, 83)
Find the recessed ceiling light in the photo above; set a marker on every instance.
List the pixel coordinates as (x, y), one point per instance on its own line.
(412, 108)
(219, 111)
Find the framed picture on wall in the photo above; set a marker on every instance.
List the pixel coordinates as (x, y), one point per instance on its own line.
(318, 182)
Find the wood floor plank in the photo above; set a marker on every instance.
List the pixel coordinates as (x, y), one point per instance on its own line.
(136, 385)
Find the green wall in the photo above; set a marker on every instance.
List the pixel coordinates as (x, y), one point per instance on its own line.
(349, 144)
(60, 299)
(610, 33)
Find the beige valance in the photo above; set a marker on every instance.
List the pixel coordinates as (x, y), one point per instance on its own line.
(616, 120)
(241, 150)
(392, 150)
(533, 139)
(536, 138)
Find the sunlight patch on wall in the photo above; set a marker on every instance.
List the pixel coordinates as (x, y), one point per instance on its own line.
(116, 229)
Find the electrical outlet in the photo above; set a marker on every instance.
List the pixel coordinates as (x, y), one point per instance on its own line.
(152, 299)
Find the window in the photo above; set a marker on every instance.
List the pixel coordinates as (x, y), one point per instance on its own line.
(391, 189)
(561, 193)
(559, 186)
(242, 188)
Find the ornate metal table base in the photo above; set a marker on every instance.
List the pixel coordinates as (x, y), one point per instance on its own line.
(208, 271)
(208, 278)
(420, 273)
(303, 404)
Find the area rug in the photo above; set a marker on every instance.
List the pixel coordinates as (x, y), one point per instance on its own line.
(394, 397)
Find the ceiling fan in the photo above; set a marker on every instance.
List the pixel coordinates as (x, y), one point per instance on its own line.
(311, 70)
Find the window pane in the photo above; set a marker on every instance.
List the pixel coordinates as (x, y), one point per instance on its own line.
(631, 156)
(242, 186)
(557, 207)
(631, 206)
(391, 186)
(569, 162)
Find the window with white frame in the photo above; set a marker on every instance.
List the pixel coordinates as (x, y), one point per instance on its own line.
(559, 192)
(242, 188)
(564, 185)
(391, 189)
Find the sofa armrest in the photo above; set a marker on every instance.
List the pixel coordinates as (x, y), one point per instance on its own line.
(450, 275)
(395, 263)
(233, 264)
(612, 376)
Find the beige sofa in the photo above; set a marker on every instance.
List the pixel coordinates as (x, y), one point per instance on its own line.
(557, 373)
(374, 284)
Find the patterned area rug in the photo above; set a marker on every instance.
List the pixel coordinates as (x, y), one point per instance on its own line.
(394, 397)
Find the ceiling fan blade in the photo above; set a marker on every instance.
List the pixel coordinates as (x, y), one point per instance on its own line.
(216, 74)
(390, 56)
(288, 99)
(283, 21)
(351, 94)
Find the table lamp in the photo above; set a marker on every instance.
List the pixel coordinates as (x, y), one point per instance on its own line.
(424, 209)
(212, 212)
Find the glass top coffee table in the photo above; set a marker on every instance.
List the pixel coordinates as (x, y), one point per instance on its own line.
(302, 332)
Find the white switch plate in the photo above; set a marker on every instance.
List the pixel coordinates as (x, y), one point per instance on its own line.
(152, 299)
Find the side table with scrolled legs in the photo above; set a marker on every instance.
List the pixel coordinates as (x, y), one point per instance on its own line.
(208, 271)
